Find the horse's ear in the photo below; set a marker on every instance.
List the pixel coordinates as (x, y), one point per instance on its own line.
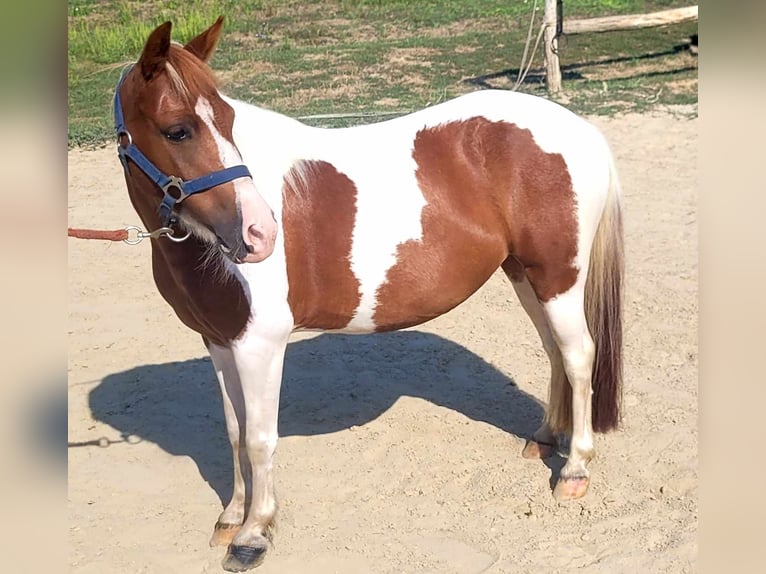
(156, 51)
(203, 45)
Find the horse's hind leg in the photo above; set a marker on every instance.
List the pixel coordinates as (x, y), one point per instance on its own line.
(566, 318)
(233, 515)
(543, 443)
(563, 328)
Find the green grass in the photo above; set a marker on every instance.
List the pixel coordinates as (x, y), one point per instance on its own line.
(343, 56)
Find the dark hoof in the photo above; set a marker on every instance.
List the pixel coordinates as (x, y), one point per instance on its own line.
(241, 558)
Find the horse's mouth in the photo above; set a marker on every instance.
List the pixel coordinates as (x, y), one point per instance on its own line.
(236, 254)
(238, 250)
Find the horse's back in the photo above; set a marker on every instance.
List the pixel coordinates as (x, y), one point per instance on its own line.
(549, 122)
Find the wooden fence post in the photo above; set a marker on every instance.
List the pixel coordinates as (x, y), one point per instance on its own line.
(551, 45)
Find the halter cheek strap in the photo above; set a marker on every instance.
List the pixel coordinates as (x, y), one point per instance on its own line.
(181, 189)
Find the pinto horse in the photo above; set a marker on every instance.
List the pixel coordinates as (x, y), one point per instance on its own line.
(367, 229)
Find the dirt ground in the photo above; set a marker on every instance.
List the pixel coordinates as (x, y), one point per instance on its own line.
(399, 453)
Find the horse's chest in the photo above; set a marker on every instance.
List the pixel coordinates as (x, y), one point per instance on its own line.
(212, 303)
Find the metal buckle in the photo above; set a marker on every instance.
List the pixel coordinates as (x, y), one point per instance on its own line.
(125, 133)
(140, 235)
(177, 183)
(170, 234)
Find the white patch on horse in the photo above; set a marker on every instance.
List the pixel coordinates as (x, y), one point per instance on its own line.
(265, 283)
(255, 212)
(389, 205)
(388, 209)
(227, 153)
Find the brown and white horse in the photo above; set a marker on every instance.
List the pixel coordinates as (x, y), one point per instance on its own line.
(371, 228)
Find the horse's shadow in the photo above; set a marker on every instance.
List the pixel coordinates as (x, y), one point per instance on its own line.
(331, 382)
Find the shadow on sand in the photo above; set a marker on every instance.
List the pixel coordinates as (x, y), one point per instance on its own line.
(573, 71)
(331, 382)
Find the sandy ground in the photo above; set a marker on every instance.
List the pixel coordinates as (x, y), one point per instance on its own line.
(401, 452)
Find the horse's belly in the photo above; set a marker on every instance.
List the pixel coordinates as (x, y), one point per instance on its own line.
(419, 293)
(428, 280)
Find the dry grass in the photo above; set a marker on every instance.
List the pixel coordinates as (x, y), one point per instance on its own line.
(341, 87)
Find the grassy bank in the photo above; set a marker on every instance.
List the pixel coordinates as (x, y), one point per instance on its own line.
(345, 56)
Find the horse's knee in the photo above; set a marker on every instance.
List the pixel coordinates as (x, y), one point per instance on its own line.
(260, 446)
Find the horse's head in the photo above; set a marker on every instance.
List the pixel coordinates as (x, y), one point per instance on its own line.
(173, 113)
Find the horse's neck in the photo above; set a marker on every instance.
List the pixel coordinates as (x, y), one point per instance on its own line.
(187, 260)
(262, 127)
(203, 295)
(268, 141)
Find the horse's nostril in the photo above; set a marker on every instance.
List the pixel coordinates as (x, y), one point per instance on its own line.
(254, 232)
(250, 248)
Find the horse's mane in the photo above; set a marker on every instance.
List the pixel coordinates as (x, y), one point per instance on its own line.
(189, 77)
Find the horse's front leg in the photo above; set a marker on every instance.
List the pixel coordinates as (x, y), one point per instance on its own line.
(233, 515)
(258, 357)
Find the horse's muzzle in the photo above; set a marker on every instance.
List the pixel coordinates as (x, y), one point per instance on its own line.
(247, 245)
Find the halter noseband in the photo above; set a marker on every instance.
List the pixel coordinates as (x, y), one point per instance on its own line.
(183, 189)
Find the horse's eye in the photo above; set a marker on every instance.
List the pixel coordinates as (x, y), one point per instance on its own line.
(177, 133)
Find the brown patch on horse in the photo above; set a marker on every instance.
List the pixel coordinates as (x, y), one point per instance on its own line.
(491, 192)
(318, 222)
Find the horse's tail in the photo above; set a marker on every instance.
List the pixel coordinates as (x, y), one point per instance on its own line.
(603, 309)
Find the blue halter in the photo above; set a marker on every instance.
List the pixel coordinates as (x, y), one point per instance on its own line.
(183, 189)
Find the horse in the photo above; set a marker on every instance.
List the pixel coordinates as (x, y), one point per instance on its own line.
(278, 226)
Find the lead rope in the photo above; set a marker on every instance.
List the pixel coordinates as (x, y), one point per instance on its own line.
(131, 235)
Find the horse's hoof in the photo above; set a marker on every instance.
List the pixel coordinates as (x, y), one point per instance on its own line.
(536, 449)
(571, 488)
(223, 534)
(241, 558)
